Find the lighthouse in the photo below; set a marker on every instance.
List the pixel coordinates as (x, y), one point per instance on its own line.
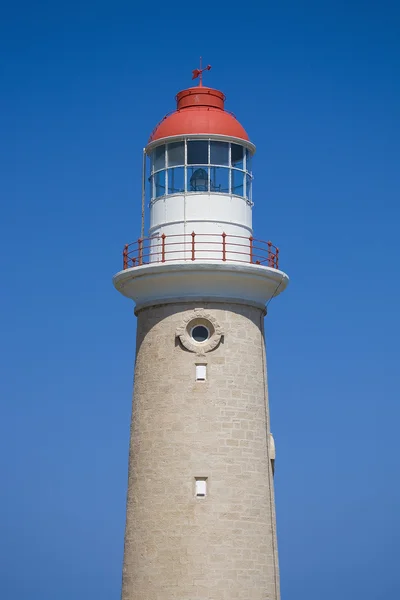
(200, 517)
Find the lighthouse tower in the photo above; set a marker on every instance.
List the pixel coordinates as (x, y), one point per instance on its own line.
(200, 522)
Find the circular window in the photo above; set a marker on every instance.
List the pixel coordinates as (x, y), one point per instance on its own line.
(200, 333)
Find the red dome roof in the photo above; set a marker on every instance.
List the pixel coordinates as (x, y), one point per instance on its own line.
(199, 110)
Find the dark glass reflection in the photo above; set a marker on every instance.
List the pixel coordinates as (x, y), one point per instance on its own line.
(248, 187)
(158, 157)
(219, 153)
(159, 184)
(237, 156)
(249, 159)
(176, 154)
(197, 152)
(200, 333)
(219, 180)
(237, 182)
(176, 180)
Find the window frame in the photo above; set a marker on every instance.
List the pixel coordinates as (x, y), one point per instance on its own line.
(247, 175)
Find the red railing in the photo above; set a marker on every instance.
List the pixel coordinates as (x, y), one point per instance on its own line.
(200, 246)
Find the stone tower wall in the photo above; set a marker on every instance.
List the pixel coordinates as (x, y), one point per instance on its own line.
(178, 546)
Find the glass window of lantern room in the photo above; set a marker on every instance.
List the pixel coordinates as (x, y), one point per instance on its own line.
(237, 156)
(237, 182)
(158, 158)
(176, 154)
(159, 184)
(219, 180)
(248, 186)
(197, 152)
(197, 179)
(176, 180)
(219, 153)
(249, 158)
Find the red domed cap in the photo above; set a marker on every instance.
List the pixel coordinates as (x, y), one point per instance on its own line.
(199, 110)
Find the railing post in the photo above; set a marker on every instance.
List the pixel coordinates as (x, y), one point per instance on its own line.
(193, 236)
(270, 257)
(277, 259)
(125, 256)
(224, 246)
(251, 248)
(140, 247)
(163, 247)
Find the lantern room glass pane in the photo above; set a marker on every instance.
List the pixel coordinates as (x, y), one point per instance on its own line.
(237, 156)
(219, 153)
(249, 159)
(248, 187)
(237, 182)
(158, 158)
(159, 184)
(197, 152)
(219, 180)
(176, 154)
(176, 180)
(197, 179)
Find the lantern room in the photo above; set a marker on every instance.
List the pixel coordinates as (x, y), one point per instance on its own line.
(198, 180)
(199, 168)
(200, 165)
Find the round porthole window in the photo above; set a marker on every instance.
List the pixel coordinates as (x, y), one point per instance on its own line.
(200, 333)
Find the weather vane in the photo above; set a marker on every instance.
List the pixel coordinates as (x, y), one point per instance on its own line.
(199, 72)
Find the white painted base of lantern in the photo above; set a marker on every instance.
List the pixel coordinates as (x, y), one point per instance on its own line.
(201, 212)
(200, 280)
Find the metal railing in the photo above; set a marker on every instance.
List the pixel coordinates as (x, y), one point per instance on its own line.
(200, 246)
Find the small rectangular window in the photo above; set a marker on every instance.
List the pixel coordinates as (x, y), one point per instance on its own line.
(201, 372)
(201, 487)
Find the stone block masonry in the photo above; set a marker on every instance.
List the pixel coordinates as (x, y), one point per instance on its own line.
(221, 546)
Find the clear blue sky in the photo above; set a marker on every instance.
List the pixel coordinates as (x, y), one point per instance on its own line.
(316, 84)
